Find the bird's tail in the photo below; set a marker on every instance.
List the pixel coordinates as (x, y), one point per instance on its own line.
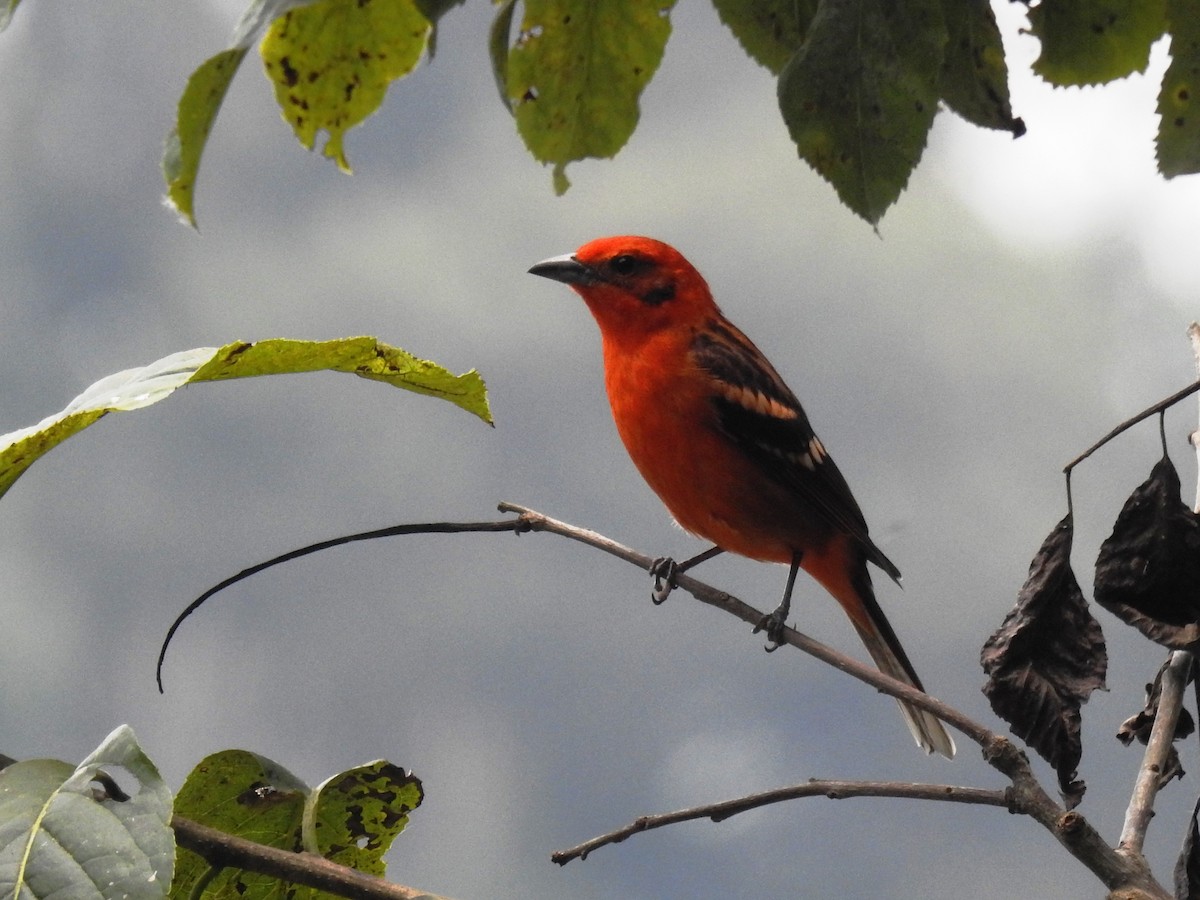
(850, 583)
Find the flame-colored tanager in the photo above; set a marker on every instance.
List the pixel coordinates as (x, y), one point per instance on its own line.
(725, 443)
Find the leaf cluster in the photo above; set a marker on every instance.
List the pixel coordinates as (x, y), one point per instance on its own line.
(1049, 654)
(859, 82)
(75, 831)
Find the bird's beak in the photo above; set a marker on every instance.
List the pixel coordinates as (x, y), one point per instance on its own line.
(565, 268)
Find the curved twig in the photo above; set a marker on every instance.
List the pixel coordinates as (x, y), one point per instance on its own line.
(833, 790)
(390, 531)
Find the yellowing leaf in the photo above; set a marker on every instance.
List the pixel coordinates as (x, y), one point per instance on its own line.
(136, 388)
(576, 72)
(331, 63)
(198, 109)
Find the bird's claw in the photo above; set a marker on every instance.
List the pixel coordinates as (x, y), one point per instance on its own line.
(663, 569)
(773, 624)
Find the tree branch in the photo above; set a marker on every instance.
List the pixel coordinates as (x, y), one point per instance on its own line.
(833, 790)
(1162, 734)
(1129, 423)
(1118, 871)
(225, 850)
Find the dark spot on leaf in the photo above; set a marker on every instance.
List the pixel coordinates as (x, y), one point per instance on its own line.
(290, 75)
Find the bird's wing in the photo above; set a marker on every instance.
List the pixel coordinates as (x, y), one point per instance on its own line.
(757, 410)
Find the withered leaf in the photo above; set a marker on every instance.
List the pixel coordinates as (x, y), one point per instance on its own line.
(1138, 727)
(1046, 659)
(1148, 570)
(1187, 867)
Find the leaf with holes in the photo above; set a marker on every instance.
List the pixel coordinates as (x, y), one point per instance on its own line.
(68, 831)
(1046, 659)
(354, 816)
(1148, 569)
(243, 794)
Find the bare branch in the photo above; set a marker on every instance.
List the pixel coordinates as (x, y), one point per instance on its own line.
(220, 850)
(1145, 789)
(833, 790)
(1129, 423)
(536, 521)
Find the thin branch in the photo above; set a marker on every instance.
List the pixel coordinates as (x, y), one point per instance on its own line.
(536, 521)
(1129, 423)
(390, 531)
(1149, 777)
(833, 790)
(220, 850)
(1027, 796)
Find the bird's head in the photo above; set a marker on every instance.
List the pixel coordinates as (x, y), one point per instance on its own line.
(633, 285)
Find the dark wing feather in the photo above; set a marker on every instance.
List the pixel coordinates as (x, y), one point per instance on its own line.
(758, 411)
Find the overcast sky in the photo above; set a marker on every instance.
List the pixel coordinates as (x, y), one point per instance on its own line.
(1021, 299)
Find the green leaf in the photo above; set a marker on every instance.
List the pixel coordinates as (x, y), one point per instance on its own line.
(198, 108)
(201, 101)
(353, 817)
(576, 72)
(975, 74)
(770, 31)
(1178, 144)
(6, 12)
(77, 832)
(498, 36)
(331, 63)
(860, 96)
(136, 388)
(243, 794)
(1095, 41)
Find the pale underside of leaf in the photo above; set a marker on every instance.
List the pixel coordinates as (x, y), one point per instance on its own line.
(131, 389)
(63, 835)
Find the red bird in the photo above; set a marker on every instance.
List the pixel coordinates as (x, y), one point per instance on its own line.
(725, 443)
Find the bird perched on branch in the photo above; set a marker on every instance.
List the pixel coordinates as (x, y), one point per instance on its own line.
(725, 443)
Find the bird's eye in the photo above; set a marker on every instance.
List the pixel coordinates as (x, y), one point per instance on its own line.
(624, 264)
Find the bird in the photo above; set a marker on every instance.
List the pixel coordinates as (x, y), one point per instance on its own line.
(722, 440)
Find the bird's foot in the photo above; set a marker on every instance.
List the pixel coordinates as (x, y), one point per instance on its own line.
(773, 624)
(664, 569)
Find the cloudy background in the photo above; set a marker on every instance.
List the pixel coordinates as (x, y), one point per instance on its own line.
(1021, 299)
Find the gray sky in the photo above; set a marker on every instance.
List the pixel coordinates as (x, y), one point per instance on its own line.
(1022, 298)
